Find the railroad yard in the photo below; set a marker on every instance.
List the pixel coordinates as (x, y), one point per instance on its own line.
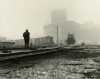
(66, 64)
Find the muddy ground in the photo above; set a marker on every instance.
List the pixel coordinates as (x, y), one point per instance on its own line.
(50, 66)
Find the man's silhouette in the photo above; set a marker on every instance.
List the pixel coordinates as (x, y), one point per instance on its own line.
(26, 36)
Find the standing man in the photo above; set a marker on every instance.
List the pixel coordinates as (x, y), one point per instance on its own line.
(26, 36)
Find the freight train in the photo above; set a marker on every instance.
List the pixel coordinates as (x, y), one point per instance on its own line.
(41, 42)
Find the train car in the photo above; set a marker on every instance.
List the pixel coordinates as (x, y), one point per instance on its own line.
(43, 42)
(4, 45)
(19, 43)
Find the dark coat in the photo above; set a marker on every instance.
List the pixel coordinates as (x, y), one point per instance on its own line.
(26, 35)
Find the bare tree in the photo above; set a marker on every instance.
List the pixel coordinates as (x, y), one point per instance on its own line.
(70, 39)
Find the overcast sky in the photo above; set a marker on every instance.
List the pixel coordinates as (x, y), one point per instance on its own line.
(18, 15)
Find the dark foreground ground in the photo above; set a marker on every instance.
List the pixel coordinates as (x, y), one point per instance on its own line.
(57, 65)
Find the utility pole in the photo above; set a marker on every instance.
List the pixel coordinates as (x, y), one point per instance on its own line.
(62, 35)
(57, 35)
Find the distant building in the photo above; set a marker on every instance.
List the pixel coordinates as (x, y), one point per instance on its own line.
(58, 19)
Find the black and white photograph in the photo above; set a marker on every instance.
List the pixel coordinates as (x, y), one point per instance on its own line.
(49, 39)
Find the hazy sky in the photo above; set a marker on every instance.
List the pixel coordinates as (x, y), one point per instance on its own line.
(18, 15)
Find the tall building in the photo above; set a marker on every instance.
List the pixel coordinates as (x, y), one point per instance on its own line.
(60, 26)
(58, 16)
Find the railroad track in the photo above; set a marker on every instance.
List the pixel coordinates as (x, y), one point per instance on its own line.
(22, 53)
(84, 49)
(18, 53)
